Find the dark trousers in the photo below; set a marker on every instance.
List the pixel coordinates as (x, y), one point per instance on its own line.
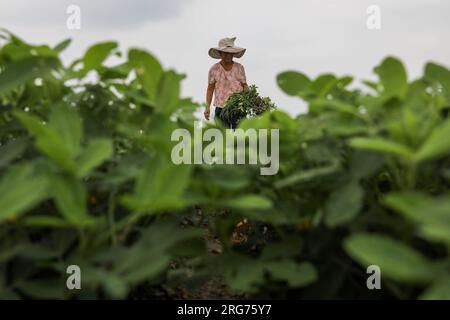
(227, 122)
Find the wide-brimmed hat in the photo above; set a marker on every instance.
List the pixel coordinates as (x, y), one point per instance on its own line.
(226, 45)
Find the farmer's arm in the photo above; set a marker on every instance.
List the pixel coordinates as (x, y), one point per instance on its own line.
(209, 95)
(243, 78)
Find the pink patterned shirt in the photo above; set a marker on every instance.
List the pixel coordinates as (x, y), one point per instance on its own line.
(227, 82)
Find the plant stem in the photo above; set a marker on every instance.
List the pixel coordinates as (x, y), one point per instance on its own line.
(111, 217)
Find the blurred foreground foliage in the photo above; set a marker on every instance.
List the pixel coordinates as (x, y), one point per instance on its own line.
(86, 179)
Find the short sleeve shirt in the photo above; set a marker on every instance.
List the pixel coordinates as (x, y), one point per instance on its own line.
(227, 82)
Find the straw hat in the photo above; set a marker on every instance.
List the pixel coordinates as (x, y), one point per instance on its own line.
(226, 45)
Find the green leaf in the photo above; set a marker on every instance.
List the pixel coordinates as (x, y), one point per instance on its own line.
(436, 145)
(293, 83)
(67, 124)
(324, 84)
(344, 81)
(167, 96)
(92, 277)
(120, 71)
(430, 214)
(307, 175)
(288, 247)
(11, 151)
(48, 141)
(319, 104)
(60, 47)
(242, 274)
(44, 51)
(296, 275)
(36, 252)
(148, 269)
(25, 70)
(95, 153)
(245, 278)
(20, 190)
(364, 164)
(156, 189)
(440, 74)
(439, 290)
(393, 77)
(226, 177)
(116, 286)
(96, 55)
(373, 85)
(43, 288)
(383, 145)
(148, 71)
(46, 221)
(396, 260)
(16, 51)
(150, 255)
(343, 204)
(249, 202)
(70, 197)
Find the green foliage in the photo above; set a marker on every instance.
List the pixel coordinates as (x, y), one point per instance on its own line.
(86, 179)
(20, 190)
(96, 55)
(393, 78)
(247, 104)
(148, 71)
(24, 70)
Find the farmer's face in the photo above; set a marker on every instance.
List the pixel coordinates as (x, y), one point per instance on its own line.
(226, 56)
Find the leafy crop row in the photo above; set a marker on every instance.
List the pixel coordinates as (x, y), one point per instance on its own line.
(86, 179)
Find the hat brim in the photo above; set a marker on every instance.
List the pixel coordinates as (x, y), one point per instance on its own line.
(215, 52)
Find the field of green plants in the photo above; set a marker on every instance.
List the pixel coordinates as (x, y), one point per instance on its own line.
(86, 179)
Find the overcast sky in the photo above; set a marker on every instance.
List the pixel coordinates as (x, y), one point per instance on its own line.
(312, 36)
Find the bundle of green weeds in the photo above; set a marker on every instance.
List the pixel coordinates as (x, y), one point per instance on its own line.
(247, 104)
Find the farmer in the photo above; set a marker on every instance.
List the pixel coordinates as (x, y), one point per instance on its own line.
(225, 78)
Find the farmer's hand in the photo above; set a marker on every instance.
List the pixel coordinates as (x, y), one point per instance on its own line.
(206, 113)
